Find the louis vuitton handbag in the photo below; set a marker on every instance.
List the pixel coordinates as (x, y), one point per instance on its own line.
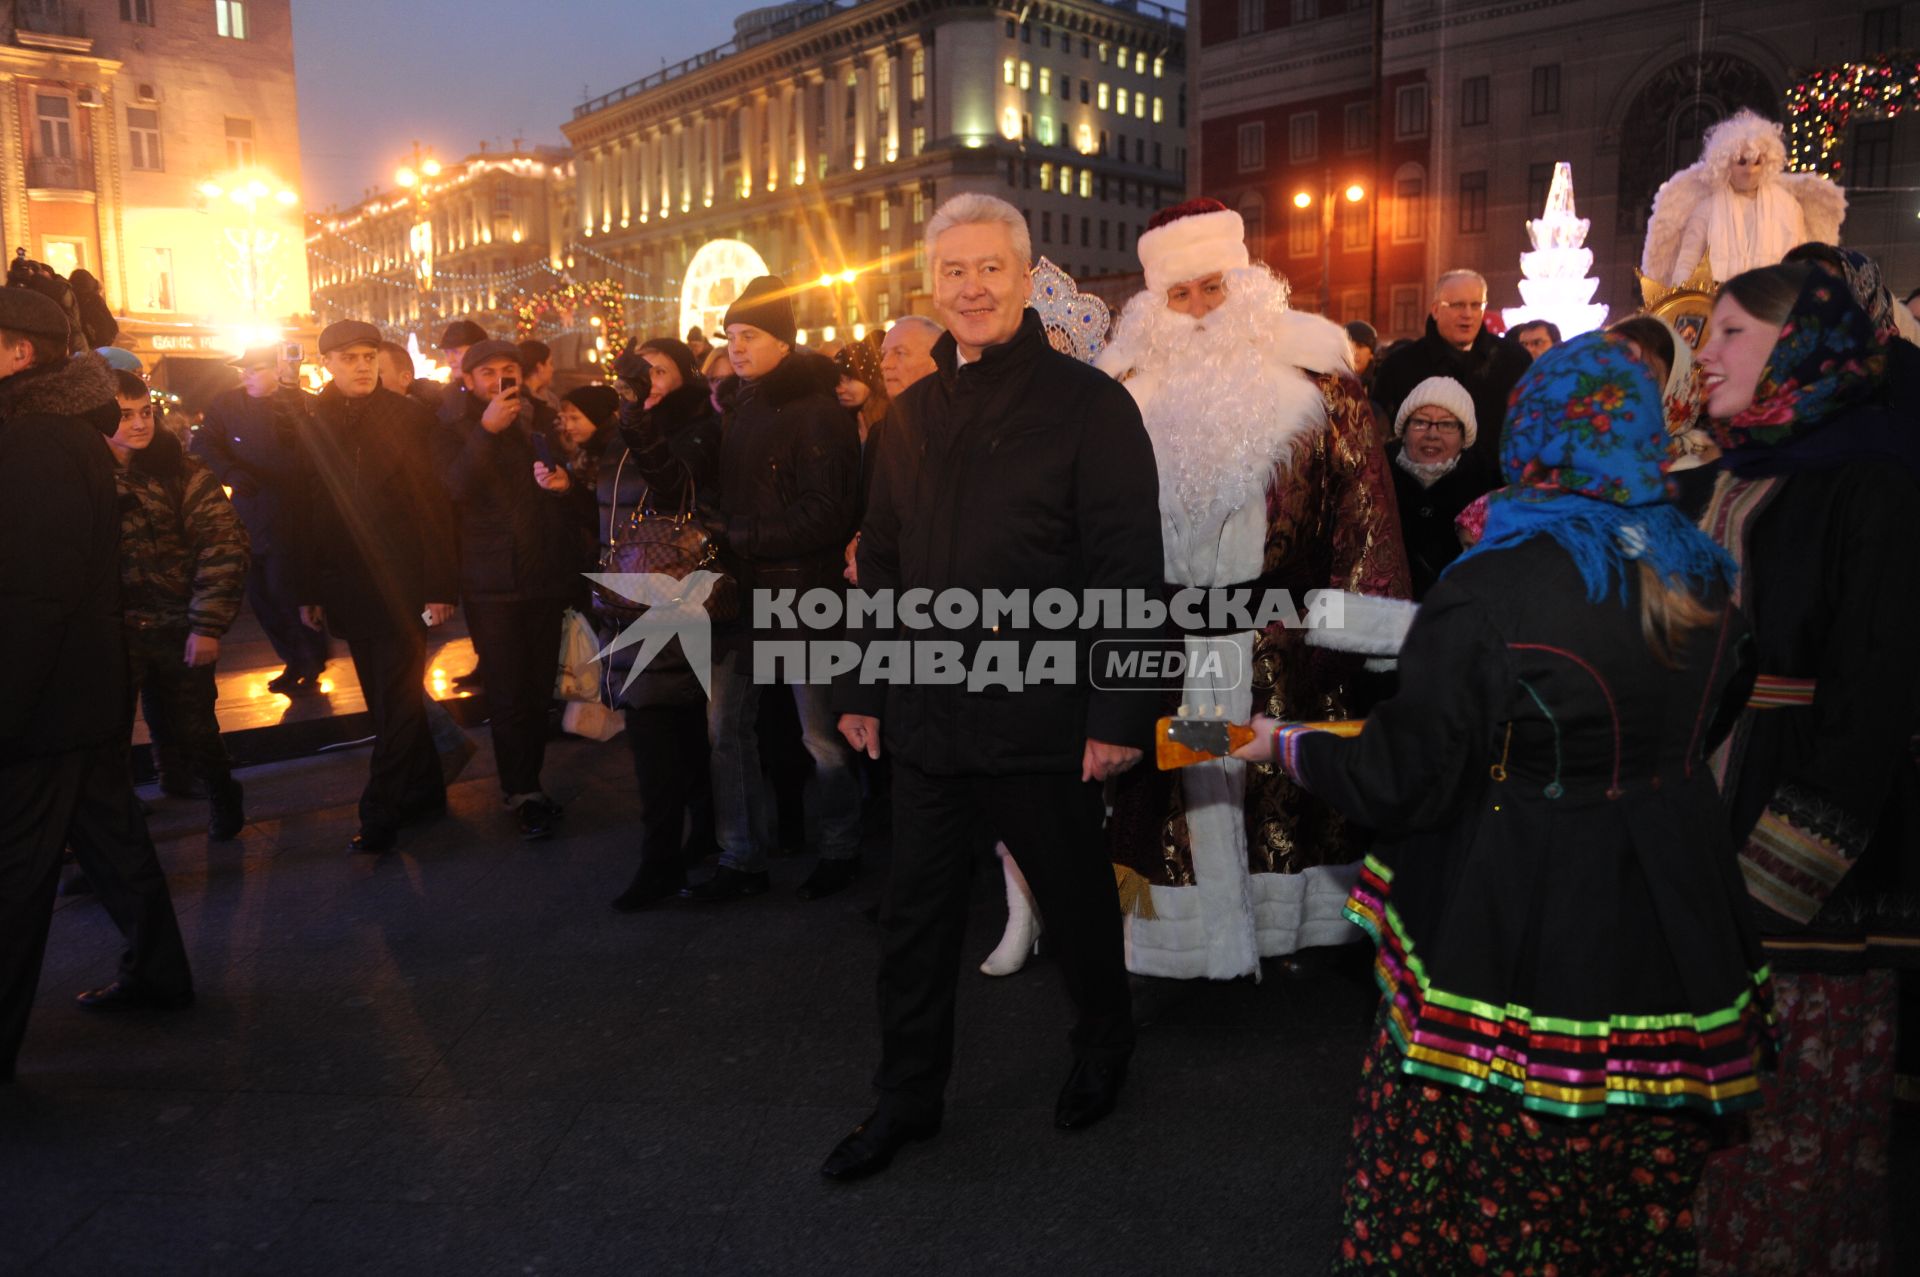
(662, 544)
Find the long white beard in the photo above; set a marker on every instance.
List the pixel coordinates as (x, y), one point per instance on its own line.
(1222, 397)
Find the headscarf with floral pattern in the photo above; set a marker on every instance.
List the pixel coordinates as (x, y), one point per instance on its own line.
(1584, 451)
(1827, 358)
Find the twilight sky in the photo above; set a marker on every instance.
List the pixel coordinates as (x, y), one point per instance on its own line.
(375, 74)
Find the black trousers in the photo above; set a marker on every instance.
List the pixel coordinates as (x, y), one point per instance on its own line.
(941, 824)
(80, 799)
(403, 777)
(270, 594)
(669, 744)
(519, 647)
(179, 701)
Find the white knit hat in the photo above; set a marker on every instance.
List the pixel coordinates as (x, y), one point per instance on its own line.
(1438, 392)
(1192, 240)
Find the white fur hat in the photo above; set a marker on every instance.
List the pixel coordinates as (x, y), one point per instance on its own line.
(1438, 392)
(1197, 238)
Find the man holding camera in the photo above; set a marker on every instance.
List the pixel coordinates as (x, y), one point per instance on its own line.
(375, 564)
(520, 552)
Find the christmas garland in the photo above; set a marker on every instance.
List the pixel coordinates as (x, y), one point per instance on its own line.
(1821, 105)
(556, 307)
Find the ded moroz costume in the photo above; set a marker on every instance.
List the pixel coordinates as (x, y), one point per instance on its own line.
(1271, 478)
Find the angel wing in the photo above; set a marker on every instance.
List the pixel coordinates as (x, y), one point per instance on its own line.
(1822, 202)
(1673, 206)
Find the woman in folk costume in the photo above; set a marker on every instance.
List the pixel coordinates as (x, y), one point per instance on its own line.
(1573, 988)
(1272, 478)
(1815, 500)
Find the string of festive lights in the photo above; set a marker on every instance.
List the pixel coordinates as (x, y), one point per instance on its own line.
(556, 306)
(1820, 106)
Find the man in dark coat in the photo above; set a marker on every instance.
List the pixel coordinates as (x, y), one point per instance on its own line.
(519, 562)
(375, 560)
(250, 439)
(1013, 468)
(1457, 345)
(63, 678)
(788, 499)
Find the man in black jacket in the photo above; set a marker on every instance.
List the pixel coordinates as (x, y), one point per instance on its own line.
(375, 564)
(1012, 468)
(788, 501)
(1457, 345)
(250, 440)
(519, 562)
(63, 678)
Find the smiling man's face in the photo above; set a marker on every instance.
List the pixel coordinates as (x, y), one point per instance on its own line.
(980, 287)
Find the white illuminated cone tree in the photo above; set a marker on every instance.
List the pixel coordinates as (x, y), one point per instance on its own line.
(1559, 283)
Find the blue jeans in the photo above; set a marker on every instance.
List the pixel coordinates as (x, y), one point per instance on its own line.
(742, 800)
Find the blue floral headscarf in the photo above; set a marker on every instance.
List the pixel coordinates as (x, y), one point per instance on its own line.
(1584, 451)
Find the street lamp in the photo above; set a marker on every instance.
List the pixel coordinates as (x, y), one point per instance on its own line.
(414, 177)
(1353, 193)
(248, 192)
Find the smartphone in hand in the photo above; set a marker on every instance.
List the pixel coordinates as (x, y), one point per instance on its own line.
(543, 451)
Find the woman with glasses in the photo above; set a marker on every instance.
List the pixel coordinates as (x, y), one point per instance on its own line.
(1432, 432)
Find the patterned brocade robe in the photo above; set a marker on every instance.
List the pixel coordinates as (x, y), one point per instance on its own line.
(1222, 864)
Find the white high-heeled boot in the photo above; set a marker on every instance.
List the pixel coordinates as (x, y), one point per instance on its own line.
(1023, 922)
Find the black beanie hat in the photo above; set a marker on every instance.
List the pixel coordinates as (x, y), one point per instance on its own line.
(680, 353)
(767, 304)
(597, 404)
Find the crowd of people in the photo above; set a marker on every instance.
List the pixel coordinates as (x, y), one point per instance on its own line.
(1630, 822)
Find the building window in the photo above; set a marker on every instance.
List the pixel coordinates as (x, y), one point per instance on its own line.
(1140, 63)
(1046, 80)
(1026, 75)
(1103, 98)
(1156, 155)
(1539, 181)
(1046, 176)
(1120, 100)
(1139, 106)
(1410, 111)
(1476, 96)
(1120, 58)
(1086, 232)
(1159, 110)
(1356, 230)
(1405, 308)
(1046, 37)
(1103, 53)
(919, 207)
(1358, 119)
(239, 143)
(1046, 130)
(1880, 30)
(1066, 88)
(1106, 232)
(1046, 226)
(1253, 215)
(1409, 203)
(919, 139)
(1086, 184)
(140, 11)
(1473, 202)
(1066, 179)
(64, 255)
(1303, 137)
(1303, 231)
(1085, 92)
(1546, 90)
(883, 86)
(1872, 154)
(55, 116)
(1253, 147)
(917, 83)
(1306, 10)
(230, 18)
(143, 139)
(1009, 71)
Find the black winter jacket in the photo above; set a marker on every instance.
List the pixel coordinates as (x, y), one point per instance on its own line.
(1488, 370)
(1427, 515)
(377, 543)
(517, 540)
(63, 663)
(675, 443)
(252, 446)
(1024, 470)
(789, 471)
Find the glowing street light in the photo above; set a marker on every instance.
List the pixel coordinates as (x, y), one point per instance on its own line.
(1302, 200)
(1355, 193)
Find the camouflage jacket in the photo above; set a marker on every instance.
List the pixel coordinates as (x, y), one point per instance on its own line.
(183, 552)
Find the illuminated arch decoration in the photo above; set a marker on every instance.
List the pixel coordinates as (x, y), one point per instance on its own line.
(715, 276)
(1820, 106)
(571, 305)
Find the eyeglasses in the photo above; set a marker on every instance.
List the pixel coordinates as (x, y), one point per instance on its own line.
(1446, 427)
(1463, 307)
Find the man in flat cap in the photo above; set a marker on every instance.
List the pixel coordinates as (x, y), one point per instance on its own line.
(250, 440)
(63, 678)
(376, 564)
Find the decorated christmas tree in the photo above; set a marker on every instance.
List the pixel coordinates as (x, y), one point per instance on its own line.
(1559, 283)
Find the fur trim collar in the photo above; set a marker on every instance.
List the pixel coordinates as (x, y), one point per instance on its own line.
(800, 374)
(78, 387)
(164, 458)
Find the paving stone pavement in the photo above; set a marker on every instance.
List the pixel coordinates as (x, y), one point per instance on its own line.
(456, 1059)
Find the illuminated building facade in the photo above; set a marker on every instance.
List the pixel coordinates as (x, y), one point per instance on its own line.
(157, 144)
(458, 241)
(823, 136)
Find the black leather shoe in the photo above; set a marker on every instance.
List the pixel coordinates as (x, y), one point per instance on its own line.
(1090, 1094)
(227, 818)
(537, 818)
(829, 877)
(649, 891)
(372, 840)
(871, 1146)
(729, 884)
(121, 996)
